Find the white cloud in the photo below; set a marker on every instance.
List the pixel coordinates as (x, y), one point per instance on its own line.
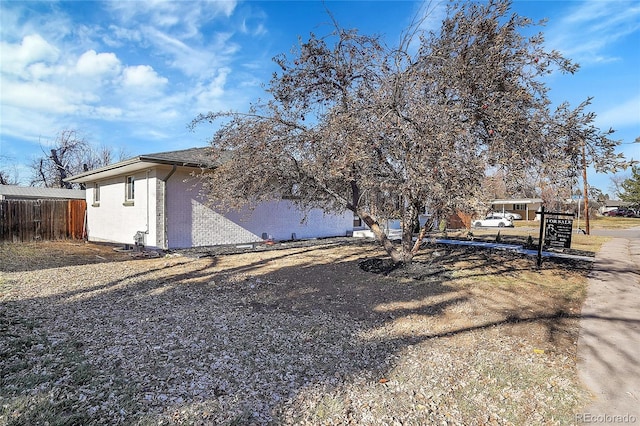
(91, 63)
(253, 22)
(27, 128)
(108, 113)
(192, 37)
(142, 76)
(40, 71)
(209, 96)
(118, 36)
(162, 113)
(32, 49)
(42, 96)
(590, 28)
(192, 59)
(188, 15)
(624, 114)
(122, 74)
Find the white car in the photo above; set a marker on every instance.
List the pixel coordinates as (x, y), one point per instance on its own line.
(508, 215)
(490, 220)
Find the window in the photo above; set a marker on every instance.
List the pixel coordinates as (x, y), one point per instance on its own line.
(519, 207)
(96, 194)
(129, 190)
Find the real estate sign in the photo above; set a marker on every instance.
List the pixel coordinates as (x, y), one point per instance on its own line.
(558, 232)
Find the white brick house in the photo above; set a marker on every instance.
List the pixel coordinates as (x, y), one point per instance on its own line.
(155, 197)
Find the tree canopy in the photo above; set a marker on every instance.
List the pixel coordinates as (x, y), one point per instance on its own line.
(388, 132)
(6, 178)
(631, 187)
(69, 154)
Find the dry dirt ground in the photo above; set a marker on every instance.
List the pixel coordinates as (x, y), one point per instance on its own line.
(322, 333)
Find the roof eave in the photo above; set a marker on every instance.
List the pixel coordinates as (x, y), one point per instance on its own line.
(82, 177)
(128, 166)
(156, 160)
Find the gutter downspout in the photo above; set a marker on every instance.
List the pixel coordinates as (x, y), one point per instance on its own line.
(147, 230)
(164, 206)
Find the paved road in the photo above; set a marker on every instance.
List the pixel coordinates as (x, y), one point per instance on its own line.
(609, 342)
(630, 234)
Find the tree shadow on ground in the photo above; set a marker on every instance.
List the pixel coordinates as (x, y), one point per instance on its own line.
(260, 339)
(24, 257)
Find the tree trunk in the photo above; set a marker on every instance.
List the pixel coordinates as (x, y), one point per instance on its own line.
(408, 225)
(423, 231)
(86, 169)
(41, 173)
(398, 256)
(62, 172)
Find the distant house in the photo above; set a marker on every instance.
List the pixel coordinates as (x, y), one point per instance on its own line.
(153, 200)
(14, 192)
(608, 205)
(525, 207)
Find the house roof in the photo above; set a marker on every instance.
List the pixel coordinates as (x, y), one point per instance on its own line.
(192, 157)
(615, 203)
(34, 193)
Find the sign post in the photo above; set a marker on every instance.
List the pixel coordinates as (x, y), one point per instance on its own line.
(577, 198)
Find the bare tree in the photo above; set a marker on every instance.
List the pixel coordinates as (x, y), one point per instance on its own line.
(7, 177)
(68, 155)
(616, 185)
(387, 132)
(586, 145)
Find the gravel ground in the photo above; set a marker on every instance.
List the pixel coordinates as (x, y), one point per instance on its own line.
(301, 335)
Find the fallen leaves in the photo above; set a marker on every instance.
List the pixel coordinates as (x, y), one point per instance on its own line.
(214, 341)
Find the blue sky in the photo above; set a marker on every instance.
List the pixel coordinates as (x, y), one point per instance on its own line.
(131, 75)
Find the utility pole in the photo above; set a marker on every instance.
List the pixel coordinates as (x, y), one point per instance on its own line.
(586, 188)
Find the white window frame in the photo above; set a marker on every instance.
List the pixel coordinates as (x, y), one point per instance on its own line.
(129, 189)
(96, 194)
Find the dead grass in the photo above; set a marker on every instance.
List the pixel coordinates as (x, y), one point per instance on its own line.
(296, 336)
(590, 243)
(596, 222)
(606, 222)
(16, 257)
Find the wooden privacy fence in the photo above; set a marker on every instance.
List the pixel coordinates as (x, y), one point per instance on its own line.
(33, 220)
